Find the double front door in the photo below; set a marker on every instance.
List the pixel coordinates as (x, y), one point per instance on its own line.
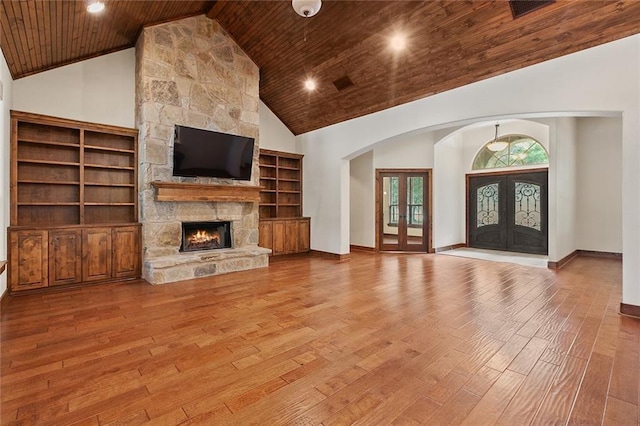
(403, 209)
(508, 211)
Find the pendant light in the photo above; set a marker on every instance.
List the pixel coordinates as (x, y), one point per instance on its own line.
(306, 8)
(497, 145)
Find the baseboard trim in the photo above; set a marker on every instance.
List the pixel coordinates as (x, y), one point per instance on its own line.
(451, 247)
(332, 256)
(365, 249)
(602, 254)
(560, 263)
(4, 299)
(630, 310)
(586, 253)
(281, 257)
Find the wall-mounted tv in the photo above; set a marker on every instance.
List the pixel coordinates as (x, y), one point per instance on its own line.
(205, 153)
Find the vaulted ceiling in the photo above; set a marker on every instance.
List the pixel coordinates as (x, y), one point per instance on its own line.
(450, 43)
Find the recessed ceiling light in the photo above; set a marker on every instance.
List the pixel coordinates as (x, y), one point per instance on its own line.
(95, 6)
(310, 84)
(398, 42)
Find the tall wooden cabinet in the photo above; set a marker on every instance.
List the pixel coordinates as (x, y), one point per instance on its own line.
(73, 192)
(282, 227)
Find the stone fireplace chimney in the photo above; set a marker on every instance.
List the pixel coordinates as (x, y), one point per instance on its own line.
(190, 72)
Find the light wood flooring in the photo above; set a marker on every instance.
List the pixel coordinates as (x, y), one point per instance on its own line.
(380, 339)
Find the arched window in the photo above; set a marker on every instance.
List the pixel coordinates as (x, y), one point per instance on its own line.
(520, 150)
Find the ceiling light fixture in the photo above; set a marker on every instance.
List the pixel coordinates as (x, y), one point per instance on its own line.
(497, 145)
(306, 8)
(310, 85)
(94, 6)
(398, 42)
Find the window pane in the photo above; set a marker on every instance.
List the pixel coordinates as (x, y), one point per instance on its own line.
(527, 206)
(390, 210)
(414, 200)
(521, 150)
(394, 190)
(487, 205)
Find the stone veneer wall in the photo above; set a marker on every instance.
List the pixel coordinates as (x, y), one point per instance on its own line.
(191, 72)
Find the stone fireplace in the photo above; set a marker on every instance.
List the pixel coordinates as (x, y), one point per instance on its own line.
(190, 72)
(198, 236)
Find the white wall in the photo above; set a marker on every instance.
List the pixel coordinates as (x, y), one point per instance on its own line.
(449, 199)
(6, 93)
(562, 188)
(405, 152)
(362, 201)
(98, 90)
(601, 79)
(273, 134)
(599, 184)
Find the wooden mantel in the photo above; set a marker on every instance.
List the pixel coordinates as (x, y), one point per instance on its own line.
(176, 191)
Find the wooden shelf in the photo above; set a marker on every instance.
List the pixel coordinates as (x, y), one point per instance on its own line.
(59, 164)
(104, 166)
(52, 203)
(176, 191)
(119, 185)
(103, 148)
(109, 204)
(49, 163)
(283, 178)
(51, 143)
(48, 182)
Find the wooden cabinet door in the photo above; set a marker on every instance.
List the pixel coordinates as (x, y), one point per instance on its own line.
(65, 257)
(291, 236)
(29, 260)
(304, 235)
(126, 252)
(278, 237)
(96, 254)
(265, 234)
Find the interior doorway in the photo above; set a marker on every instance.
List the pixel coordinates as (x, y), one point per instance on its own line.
(508, 211)
(403, 210)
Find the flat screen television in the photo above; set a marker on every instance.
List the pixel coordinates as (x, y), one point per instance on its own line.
(205, 153)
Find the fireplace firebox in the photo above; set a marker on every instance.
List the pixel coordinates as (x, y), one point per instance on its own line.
(205, 235)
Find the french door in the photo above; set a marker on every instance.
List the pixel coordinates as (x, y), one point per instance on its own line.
(403, 206)
(508, 211)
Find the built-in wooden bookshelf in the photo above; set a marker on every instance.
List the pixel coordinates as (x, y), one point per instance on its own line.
(67, 177)
(282, 227)
(280, 184)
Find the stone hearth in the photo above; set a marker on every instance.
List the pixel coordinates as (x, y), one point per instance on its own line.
(190, 72)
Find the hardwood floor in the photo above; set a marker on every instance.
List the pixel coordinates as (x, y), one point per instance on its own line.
(380, 339)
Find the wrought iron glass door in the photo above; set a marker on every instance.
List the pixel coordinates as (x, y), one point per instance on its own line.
(508, 212)
(403, 211)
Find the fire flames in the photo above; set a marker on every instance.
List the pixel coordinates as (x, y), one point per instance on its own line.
(204, 237)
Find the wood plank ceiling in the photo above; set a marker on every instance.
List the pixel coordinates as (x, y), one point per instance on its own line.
(37, 35)
(449, 44)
